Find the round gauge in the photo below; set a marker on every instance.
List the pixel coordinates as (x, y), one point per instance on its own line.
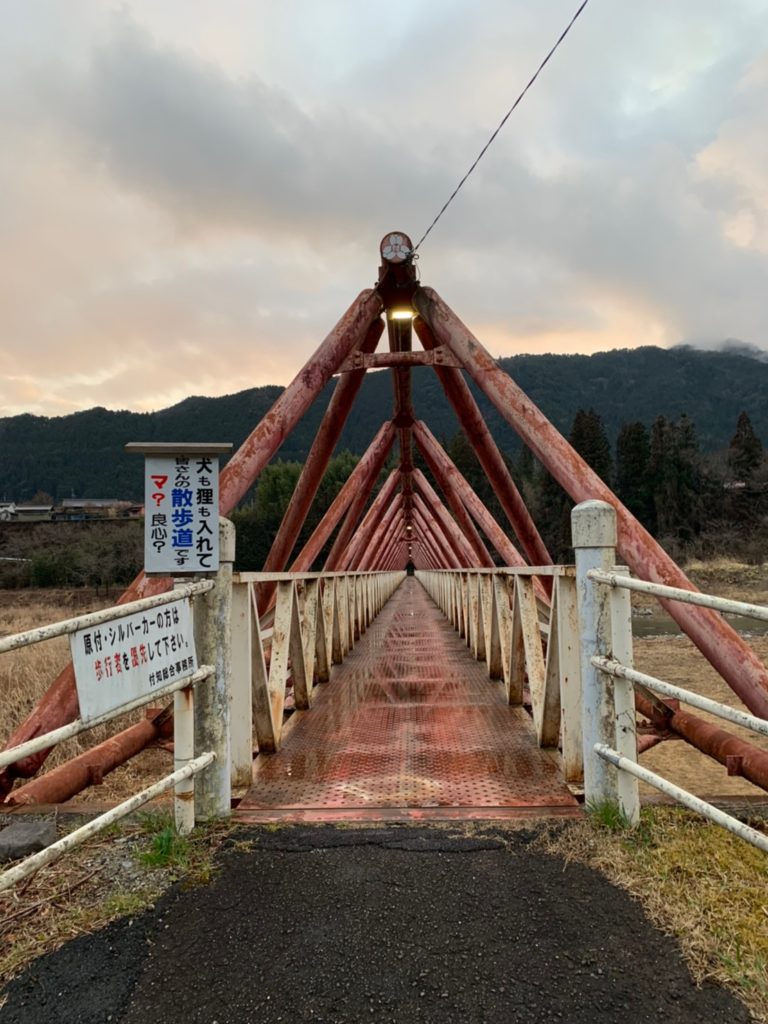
(396, 247)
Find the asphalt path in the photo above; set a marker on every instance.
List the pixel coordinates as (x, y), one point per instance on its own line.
(395, 924)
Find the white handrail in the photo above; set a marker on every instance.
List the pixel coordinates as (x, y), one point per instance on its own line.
(616, 669)
(682, 796)
(118, 611)
(65, 732)
(721, 604)
(57, 849)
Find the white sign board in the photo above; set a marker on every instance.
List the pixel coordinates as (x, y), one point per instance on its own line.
(118, 661)
(181, 514)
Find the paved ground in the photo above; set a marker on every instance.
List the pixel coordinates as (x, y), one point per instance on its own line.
(409, 720)
(397, 924)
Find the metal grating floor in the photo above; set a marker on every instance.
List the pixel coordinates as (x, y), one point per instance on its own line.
(411, 722)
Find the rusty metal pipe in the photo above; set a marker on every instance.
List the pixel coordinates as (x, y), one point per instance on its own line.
(380, 537)
(435, 527)
(488, 454)
(345, 534)
(371, 521)
(89, 768)
(721, 645)
(448, 523)
(361, 478)
(482, 558)
(429, 444)
(314, 468)
(711, 740)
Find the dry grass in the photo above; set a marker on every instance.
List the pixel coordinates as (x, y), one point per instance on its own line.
(696, 882)
(26, 674)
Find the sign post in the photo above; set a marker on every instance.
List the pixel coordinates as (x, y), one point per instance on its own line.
(181, 507)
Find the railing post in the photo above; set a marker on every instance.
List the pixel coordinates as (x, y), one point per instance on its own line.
(213, 633)
(593, 527)
(240, 708)
(625, 728)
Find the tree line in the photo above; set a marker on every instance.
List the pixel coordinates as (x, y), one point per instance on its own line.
(697, 504)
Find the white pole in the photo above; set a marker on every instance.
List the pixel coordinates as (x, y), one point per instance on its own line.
(213, 790)
(183, 755)
(240, 694)
(624, 698)
(593, 526)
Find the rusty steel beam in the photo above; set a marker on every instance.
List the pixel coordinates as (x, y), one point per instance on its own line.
(482, 558)
(89, 768)
(371, 520)
(444, 557)
(496, 470)
(736, 662)
(391, 541)
(751, 762)
(314, 468)
(436, 527)
(58, 705)
(434, 453)
(257, 449)
(360, 361)
(345, 534)
(368, 559)
(361, 478)
(448, 523)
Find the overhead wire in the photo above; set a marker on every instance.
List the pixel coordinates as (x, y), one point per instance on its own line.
(503, 121)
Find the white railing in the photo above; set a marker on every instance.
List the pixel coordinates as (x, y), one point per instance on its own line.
(609, 677)
(527, 639)
(316, 619)
(186, 765)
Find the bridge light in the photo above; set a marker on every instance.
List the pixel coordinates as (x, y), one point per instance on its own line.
(402, 314)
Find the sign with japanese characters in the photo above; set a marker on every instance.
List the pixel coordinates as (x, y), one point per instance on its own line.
(181, 510)
(129, 657)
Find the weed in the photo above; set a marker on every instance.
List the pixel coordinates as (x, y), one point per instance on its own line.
(608, 815)
(167, 849)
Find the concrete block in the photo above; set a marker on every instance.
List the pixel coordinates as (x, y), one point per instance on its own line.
(25, 837)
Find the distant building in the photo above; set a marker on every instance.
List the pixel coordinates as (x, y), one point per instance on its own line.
(70, 510)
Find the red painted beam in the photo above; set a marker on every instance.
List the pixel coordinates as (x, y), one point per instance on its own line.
(373, 517)
(736, 662)
(361, 478)
(434, 453)
(435, 527)
(380, 537)
(460, 542)
(314, 468)
(488, 454)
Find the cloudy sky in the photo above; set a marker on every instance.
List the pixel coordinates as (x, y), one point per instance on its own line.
(191, 192)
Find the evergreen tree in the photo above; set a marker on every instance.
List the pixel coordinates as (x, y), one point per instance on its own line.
(633, 452)
(745, 452)
(590, 440)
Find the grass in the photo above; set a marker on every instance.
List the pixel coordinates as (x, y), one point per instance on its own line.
(696, 881)
(26, 674)
(89, 887)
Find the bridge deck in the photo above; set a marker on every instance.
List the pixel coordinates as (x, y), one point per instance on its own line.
(410, 726)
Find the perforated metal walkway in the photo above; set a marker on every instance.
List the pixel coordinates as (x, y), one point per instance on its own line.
(410, 726)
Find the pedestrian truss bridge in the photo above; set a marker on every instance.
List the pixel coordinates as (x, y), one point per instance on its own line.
(417, 655)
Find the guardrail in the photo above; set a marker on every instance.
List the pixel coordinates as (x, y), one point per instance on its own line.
(182, 688)
(317, 618)
(507, 621)
(609, 677)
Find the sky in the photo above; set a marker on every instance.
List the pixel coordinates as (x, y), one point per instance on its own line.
(192, 193)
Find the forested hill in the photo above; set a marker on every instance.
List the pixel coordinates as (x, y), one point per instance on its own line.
(82, 454)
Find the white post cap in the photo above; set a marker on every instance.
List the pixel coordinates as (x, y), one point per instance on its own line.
(593, 525)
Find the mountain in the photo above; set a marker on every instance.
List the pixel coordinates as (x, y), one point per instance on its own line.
(82, 454)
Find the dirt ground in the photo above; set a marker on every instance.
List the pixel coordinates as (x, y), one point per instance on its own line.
(676, 659)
